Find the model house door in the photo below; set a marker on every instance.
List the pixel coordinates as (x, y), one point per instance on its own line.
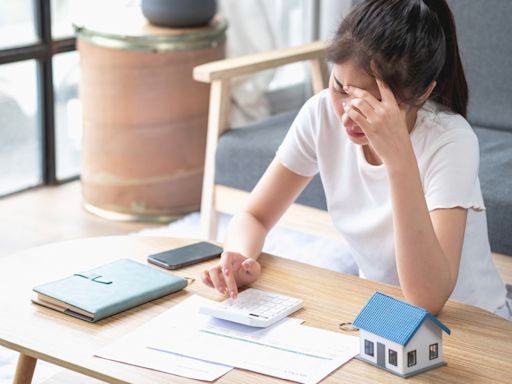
(381, 355)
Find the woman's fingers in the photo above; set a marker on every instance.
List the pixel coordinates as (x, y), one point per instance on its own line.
(356, 116)
(249, 272)
(230, 263)
(218, 279)
(229, 278)
(362, 94)
(385, 92)
(205, 277)
(233, 270)
(362, 106)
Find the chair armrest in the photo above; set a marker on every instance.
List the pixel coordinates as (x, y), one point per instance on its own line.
(219, 74)
(237, 66)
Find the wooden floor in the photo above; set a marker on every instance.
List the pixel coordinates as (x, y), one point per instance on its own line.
(50, 214)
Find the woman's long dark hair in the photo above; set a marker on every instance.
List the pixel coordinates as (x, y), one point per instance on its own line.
(408, 43)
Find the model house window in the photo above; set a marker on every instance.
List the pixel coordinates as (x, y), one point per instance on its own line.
(392, 357)
(411, 358)
(433, 351)
(368, 347)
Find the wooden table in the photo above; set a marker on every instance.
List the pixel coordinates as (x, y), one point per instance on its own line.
(478, 351)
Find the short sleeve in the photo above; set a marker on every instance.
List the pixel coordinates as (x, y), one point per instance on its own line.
(451, 179)
(298, 152)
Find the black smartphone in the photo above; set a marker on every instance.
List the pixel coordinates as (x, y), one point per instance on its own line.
(187, 255)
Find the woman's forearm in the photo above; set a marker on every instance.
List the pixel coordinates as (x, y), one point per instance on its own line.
(245, 235)
(423, 269)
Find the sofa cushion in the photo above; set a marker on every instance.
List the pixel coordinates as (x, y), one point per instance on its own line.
(484, 30)
(496, 182)
(243, 155)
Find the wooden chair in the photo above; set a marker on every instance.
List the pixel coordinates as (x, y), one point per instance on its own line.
(221, 198)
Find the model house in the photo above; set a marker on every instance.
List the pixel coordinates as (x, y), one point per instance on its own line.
(399, 337)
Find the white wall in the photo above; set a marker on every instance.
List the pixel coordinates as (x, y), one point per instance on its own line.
(428, 334)
(388, 344)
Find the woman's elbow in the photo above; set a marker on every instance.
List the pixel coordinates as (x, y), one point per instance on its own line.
(430, 303)
(435, 309)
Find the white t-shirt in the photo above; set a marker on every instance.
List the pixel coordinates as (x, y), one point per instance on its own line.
(358, 199)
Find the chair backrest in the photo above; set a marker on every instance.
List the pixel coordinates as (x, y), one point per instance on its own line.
(484, 30)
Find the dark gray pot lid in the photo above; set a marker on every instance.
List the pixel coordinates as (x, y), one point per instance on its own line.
(132, 31)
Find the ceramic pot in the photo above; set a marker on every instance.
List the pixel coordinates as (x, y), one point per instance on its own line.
(143, 143)
(179, 13)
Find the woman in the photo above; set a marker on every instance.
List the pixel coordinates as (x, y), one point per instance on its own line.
(398, 162)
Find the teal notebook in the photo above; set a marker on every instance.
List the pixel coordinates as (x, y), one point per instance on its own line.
(107, 290)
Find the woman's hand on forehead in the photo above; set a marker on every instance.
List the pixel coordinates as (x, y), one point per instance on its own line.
(386, 95)
(383, 121)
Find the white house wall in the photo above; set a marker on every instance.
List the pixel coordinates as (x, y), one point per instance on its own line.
(429, 333)
(388, 344)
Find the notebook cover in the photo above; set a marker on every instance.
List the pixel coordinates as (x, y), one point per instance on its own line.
(112, 288)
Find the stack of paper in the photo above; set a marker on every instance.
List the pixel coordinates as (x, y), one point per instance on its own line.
(132, 348)
(287, 350)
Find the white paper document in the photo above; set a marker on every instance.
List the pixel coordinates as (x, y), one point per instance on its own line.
(134, 352)
(287, 349)
(131, 349)
(184, 342)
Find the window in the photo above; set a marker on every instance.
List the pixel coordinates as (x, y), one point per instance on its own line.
(17, 26)
(433, 351)
(392, 357)
(368, 347)
(35, 80)
(20, 149)
(62, 14)
(411, 358)
(68, 115)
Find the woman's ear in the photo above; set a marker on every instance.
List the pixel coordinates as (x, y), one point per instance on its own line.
(427, 92)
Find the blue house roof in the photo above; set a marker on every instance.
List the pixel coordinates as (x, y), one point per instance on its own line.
(393, 319)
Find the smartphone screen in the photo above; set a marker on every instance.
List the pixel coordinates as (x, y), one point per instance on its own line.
(187, 255)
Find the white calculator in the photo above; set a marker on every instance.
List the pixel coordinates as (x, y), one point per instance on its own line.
(254, 307)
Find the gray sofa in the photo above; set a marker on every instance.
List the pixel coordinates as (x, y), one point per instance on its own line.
(485, 38)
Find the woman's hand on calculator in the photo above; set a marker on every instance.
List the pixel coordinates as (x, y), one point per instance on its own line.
(233, 271)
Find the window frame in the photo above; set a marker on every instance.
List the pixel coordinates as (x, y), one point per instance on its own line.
(43, 52)
(394, 361)
(431, 353)
(369, 346)
(411, 362)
